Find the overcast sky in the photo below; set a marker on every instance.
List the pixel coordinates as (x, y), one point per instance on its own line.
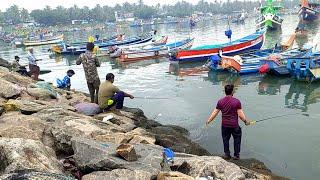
(39, 4)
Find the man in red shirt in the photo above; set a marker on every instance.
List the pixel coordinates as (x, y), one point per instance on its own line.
(231, 110)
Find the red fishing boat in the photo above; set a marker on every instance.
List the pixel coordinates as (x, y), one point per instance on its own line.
(251, 42)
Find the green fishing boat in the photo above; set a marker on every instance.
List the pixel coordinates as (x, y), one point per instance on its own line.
(269, 17)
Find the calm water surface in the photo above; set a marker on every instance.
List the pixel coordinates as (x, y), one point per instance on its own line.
(290, 145)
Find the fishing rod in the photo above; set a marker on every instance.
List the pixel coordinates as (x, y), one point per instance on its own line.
(273, 117)
(150, 97)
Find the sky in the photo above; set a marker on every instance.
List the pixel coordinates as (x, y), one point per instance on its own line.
(39, 4)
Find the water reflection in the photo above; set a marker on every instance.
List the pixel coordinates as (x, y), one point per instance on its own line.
(191, 69)
(116, 64)
(300, 97)
(311, 29)
(273, 37)
(271, 85)
(230, 78)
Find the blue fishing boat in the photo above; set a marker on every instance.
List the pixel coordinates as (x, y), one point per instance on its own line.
(78, 49)
(306, 68)
(251, 62)
(246, 63)
(275, 64)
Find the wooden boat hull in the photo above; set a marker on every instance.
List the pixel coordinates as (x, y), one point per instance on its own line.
(54, 40)
(163, 51)
(251, 42)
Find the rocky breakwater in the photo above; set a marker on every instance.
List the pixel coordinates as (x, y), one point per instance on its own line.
(42, 136)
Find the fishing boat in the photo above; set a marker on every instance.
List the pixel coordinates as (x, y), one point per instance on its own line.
(245, 63)
(275, 64)
(306, 68)
(115, 51)
(309, 11)
(249, 62)
(155, 51)
(39, 42)
(203, 53)
(76, 50)
(269, 17)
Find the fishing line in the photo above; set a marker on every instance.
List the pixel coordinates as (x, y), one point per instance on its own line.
(273, 117)
(150, 97)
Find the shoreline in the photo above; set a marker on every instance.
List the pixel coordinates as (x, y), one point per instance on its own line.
(51, 137)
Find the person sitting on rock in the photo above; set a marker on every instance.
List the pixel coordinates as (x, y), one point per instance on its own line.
(110, 95)
(17, 67)
(66, 82)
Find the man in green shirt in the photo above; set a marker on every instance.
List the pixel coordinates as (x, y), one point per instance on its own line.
(110, 95)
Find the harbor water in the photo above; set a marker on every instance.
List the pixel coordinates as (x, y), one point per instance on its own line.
(185, 94)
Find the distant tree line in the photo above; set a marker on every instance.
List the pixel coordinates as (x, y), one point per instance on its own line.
(61, 15)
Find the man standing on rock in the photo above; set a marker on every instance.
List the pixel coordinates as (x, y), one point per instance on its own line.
(90, 63)
(231, 109)
(110, 95)
(33, 67)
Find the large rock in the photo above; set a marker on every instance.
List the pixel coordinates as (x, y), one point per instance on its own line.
(119, 174)
(140, 135)
(8, 89)
(27, 107)
(4, 63)
(127, 151)
(18, 154)
(4, 69)
(16, 125)
(173, 175)
(142, 139)
(100, 156)
(210, 166)
(124, 122)
(34, 175)
(117, 137)
(40, 93)
(16, 78)
(42, 90)
(64, 125)
(133, 113)
(177, 140)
